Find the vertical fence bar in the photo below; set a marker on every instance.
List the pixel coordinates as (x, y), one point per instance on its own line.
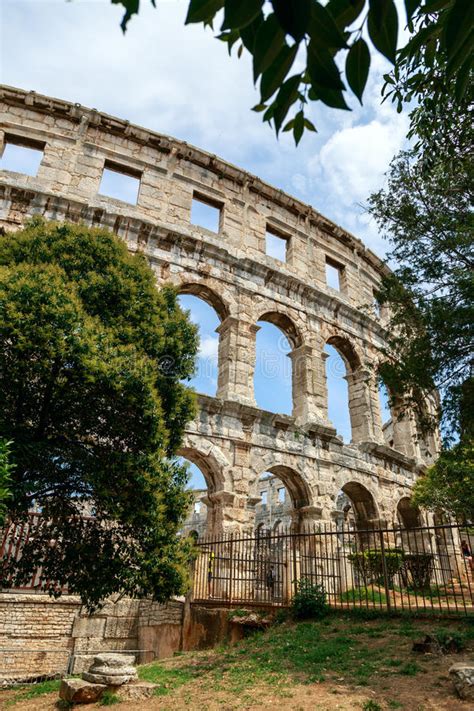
(384, 568)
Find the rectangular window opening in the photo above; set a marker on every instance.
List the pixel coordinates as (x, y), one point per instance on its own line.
(120, 182)
(197, 507)
(376, 305)
(206, 213)
(22, 155)
(282, 495)
(276, 244)
(264, 496)
(334, 275)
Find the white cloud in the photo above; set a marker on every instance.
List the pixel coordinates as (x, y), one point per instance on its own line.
(208, 347)
(179, 80)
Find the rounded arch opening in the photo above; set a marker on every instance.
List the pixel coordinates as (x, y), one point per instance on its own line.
(346, 351)
(206, 478)
(286, 326)
(205, 293)
(337, 392)
(273, 376)
(205, 316)
(358, 504)
(280, 492)
(408, 515)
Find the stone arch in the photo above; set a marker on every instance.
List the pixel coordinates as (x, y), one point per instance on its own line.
(204, 292)
(363, 503)
(408, 515)
(347, 351)
(358, 390)
(298, 490)
(210, 460)
(297, 359)
(221, 308)
(295, 484)
(285, 324)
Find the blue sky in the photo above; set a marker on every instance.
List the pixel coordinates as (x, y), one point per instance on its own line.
(180, 81)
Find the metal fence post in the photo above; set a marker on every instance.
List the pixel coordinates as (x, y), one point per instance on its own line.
(384, 568)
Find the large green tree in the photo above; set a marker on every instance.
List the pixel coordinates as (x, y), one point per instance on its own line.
(298, 47)
(425, 211)
(91, 359)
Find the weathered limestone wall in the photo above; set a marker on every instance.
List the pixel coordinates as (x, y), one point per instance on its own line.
(43, 636)
(231, 440)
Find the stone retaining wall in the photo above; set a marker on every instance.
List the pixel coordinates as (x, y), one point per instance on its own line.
(42, 636)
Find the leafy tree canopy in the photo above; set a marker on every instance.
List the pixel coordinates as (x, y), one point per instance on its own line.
(326, 36)
(5, 480)
(91, 358)
(425, 210)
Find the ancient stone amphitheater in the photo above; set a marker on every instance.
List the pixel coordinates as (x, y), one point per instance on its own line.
(232, 441)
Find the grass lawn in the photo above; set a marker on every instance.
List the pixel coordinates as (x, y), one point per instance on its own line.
(341, 662)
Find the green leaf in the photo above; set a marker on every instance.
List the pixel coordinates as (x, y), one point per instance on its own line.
(273, 77)
(357, 67)
(288, 126)
(331, 97)
(323, 28)
(249, 33)
(383, 27)
(203, 10)
(293, 16)
(419, 40)
(229, 37)
(464, 52)
(310, 125)
(268, 115)
(298, 128)
(459, 27)
(285, 98)
(240, 13)
(259, 107)
(131, 8)
(411, 6)
(322, 68)
(268, 43)
(462, 79)
(345, 12)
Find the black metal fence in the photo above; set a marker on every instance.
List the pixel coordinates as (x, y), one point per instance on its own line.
(387, 568)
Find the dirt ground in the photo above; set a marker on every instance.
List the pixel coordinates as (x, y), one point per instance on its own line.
(217, 680)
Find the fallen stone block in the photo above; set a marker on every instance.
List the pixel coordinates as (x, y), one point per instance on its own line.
(137, 690)
(79, 691)
(462, 675)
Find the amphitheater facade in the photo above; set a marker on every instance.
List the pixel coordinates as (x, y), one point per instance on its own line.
(232, 441)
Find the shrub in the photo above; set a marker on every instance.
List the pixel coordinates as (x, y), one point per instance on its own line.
(309, 601)
(416, 570)
(370, 564)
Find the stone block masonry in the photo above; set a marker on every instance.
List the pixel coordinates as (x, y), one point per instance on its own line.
(231, 440)
(43, 636)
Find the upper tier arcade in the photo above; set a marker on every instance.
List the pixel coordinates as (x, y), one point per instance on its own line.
(233, 441)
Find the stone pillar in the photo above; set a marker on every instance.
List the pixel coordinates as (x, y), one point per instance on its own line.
(306, 400)
(361, 402)
(226, 512)
(404, 430)
(236, 360)
(320, 385)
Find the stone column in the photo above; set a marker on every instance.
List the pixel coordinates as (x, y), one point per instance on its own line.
(236, 360)
(404, 430)
(307, 401)
(361, 401)
(226, 512)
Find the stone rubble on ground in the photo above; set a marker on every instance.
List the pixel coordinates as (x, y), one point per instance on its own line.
(462, 675)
